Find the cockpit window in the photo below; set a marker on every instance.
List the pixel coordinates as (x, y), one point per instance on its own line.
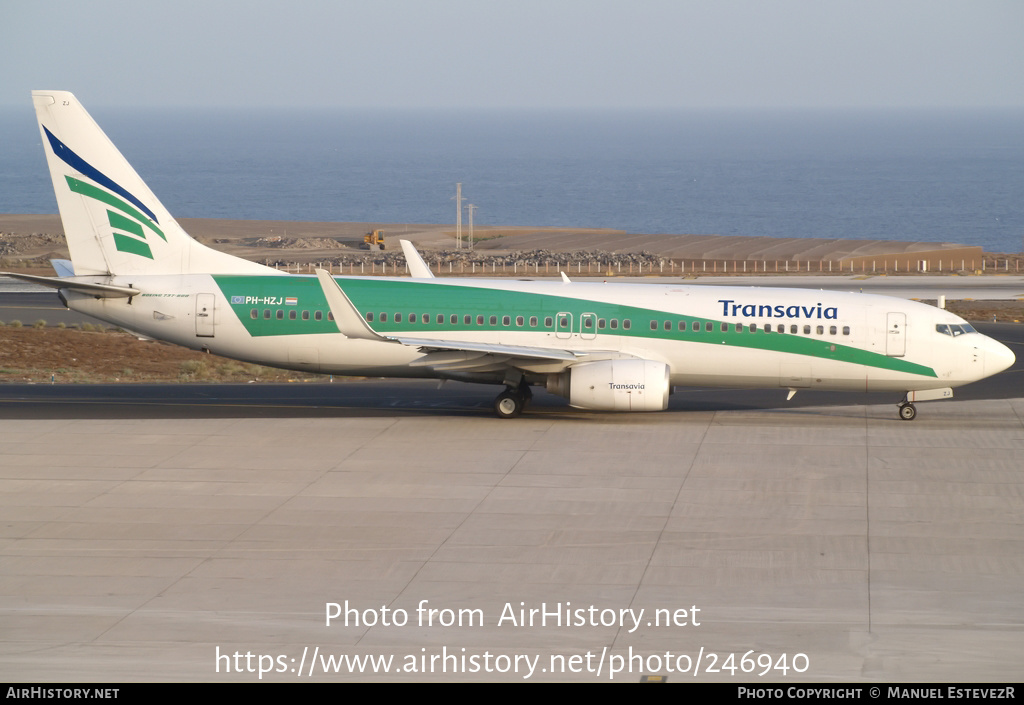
(954, 329)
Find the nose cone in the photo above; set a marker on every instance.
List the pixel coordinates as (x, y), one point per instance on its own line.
(998, 357)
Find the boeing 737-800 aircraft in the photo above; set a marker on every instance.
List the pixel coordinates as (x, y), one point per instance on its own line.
(605, 346)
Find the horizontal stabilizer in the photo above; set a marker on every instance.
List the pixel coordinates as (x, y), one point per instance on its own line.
(100, 291)
(63, 267)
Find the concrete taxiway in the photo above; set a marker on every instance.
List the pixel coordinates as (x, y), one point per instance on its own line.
(208, 538)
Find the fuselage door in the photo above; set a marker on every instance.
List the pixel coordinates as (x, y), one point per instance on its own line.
(896, 335)
(204, 315)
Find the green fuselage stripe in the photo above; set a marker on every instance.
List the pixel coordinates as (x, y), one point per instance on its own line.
(260, 294)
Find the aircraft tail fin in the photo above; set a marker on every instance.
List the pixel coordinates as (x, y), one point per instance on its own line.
(113, 222)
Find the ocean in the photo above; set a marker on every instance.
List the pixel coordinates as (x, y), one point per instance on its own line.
(951, 176)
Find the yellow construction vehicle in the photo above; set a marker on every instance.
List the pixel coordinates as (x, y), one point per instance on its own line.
(372, 239)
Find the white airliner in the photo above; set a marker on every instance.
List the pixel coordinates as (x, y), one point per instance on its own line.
(605, 346)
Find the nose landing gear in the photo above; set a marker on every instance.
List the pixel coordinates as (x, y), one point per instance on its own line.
(907, 411)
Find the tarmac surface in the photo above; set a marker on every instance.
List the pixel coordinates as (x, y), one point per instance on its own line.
(205, 533)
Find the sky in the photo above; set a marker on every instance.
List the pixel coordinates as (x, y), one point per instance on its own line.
(517, 54)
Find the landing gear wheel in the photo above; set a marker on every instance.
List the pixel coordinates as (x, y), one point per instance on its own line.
(907, 411)
(509, 405)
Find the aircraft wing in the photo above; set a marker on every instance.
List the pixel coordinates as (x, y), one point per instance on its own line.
(427, 345)
(454, 354)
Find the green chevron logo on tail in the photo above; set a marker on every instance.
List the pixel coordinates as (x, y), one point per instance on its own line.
(130, 218)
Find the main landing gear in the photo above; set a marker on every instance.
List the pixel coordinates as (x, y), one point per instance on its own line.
(907, 411)
(512, 401)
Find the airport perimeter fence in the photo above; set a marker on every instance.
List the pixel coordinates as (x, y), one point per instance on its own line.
(645, 265)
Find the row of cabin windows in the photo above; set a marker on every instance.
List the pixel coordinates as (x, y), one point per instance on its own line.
(564, 322)
(549, 321)
(709, 327)
(293, 315)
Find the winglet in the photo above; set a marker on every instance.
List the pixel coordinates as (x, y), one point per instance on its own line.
(565, 278)
(417, 267)
(348, 319)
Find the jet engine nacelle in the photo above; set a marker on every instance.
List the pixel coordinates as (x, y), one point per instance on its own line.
(614, 385)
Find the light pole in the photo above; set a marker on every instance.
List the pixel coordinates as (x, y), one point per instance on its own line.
(458, 216)
(471, 208)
